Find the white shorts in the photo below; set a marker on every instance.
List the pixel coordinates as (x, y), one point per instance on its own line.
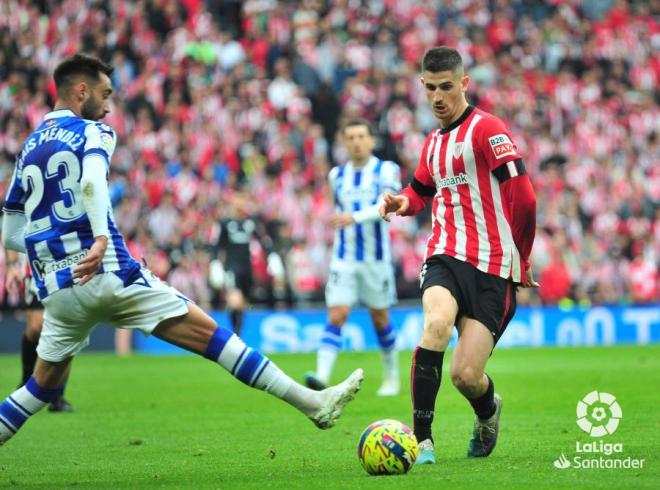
(369, 283)
(72, 313)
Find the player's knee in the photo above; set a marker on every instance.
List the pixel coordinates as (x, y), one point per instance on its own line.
(438, 328)
(33, 331)
(338, 319)
(235, 299)
(337, 315)
(380, 319)
(466, 378)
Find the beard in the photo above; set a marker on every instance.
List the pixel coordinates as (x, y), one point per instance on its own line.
(91, 109)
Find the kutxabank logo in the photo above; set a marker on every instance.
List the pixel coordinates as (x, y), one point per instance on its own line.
(598, 414)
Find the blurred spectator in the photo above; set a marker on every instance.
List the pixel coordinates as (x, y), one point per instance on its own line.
(222, 95)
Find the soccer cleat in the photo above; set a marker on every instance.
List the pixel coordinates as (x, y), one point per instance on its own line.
(335, 399)
(60, 405)
(390, 387)
(426, 452)
(314, 383)
(484, 435)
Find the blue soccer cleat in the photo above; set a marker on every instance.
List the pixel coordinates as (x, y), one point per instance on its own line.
(426, 452)
(484, 435)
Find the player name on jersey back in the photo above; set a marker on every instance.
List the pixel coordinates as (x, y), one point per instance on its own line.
(71, 139)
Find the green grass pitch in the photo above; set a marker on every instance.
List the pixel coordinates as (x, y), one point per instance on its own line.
(182, 422)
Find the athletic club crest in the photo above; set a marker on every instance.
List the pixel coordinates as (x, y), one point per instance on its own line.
(458, 149)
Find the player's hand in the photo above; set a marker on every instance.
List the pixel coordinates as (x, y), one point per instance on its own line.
(341, 220)
(393, 204)
(528, 280)
(90, 265)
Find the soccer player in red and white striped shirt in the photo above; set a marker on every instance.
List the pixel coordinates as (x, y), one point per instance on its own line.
(484, 217)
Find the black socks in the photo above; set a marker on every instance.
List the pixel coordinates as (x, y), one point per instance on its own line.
(236, 317)
(28, 357)
(484, 406)
(425, 381)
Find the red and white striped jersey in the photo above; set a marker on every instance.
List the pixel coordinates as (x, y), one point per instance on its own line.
(462, 166)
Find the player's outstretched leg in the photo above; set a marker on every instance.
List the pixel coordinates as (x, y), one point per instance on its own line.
(198, 333)
(254, 369)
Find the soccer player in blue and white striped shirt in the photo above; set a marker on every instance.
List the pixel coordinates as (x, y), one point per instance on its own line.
(361, 265)
(58, 211)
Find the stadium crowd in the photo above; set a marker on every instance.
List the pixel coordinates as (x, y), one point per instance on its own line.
(219, 101)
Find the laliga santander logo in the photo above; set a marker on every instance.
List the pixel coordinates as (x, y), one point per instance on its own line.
(598, 414)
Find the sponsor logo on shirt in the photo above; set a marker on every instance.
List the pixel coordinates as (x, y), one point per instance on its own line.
(41, 269)
(501, 145)
(452, 181)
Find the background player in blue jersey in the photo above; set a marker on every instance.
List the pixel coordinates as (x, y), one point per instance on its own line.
(58, 210)
(17, 277)
(361, 267)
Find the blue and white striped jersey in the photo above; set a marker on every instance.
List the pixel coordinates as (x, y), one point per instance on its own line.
(357, 191)
(46, 188)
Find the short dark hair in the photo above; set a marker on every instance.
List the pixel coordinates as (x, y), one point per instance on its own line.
(79, 65)
(358, 122)
(442, 58)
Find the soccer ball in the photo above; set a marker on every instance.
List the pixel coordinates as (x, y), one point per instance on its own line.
(387, 447)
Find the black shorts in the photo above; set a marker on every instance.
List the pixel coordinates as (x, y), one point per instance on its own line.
(487, 298)
(240, 278)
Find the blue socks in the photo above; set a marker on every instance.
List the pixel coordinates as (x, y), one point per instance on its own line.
(386, 337)
(21, 404)
(246, 364)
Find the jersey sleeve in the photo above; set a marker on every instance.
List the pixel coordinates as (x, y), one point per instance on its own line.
(389, 181)
(100, 139)
(504, 161)
(494, 142)
(333, 175)
(332, 179)
(15, 199)
(391, 178)
(422, 188)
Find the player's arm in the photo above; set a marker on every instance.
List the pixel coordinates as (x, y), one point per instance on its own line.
(95, 196)
(515, 187)
(15, 268)
(14, 221)
(96, 202)
(390, 183)
(517, 190)
(416, 195)
(337, 220)
(13, 231)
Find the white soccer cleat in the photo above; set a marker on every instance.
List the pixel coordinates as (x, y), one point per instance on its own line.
(335, 399)
(390, 387)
